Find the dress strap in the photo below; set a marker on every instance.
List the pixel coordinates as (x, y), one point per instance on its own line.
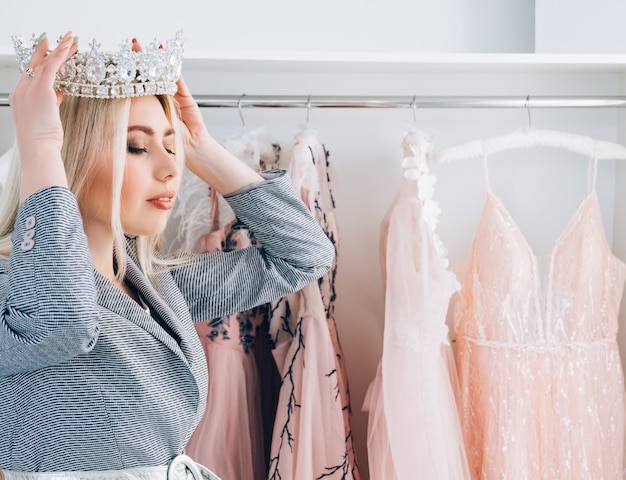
(592, 172)
(484, 169)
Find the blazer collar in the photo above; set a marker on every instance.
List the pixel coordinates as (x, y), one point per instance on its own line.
(114, 299)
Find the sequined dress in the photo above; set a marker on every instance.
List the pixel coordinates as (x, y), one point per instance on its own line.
(541, 379)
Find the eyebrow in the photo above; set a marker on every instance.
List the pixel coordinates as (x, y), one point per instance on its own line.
(149, 130)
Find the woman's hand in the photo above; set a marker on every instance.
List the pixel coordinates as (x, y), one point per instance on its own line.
(197, 138)
(35, 107)
(207, 158)
(203, 155)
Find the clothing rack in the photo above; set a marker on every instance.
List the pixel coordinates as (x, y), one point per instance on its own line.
(415, 102)
(269, 101)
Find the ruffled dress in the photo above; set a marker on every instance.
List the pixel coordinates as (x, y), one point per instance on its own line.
(413, 425)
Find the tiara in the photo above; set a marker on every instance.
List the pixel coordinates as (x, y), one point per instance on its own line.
(119, 74)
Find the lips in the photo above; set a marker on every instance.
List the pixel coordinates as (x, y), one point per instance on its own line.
(163, 201)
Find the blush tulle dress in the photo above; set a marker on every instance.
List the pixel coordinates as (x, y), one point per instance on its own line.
(541, 379)
(413, 424)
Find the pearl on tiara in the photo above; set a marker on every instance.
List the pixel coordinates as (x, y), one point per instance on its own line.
(119, 74)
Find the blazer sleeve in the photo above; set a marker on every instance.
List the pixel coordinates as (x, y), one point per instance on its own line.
(294, 252)
(48, 302)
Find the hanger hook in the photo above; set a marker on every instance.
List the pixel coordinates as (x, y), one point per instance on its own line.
(243, 122)
(527, 105)
(414, 107)
(308, 110)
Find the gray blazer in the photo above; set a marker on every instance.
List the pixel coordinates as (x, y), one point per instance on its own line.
(91, 381)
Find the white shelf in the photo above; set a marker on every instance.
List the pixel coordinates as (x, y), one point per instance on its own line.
(354, 62)
(393, 63)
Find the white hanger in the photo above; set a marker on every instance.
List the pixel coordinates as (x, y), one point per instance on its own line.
(308, 111)
(243, 121)
(532, 137)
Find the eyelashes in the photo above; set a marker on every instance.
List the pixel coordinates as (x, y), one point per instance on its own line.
(136, 150)
(142, 150)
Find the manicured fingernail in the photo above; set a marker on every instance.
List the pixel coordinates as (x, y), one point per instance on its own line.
(134, 40)
(41, 37)
(74, 40)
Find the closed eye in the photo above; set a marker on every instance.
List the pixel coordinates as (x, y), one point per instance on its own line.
(136, 150)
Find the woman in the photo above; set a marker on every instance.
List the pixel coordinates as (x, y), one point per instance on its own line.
(100, 365)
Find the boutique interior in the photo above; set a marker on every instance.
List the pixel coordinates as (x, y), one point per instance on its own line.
(532, 116)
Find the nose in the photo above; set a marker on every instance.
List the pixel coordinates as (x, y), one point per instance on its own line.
(167, 167)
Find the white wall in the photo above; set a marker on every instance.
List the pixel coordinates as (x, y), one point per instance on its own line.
(580, 26)
(325, 25)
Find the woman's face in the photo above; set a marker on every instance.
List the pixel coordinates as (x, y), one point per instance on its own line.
(151, 176)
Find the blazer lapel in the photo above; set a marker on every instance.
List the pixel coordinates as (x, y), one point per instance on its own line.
(114, 299)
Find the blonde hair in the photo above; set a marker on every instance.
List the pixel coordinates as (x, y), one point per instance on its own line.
(9, 202)
(94, 128)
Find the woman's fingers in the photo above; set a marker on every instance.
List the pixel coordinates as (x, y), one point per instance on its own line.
(45, 63)
(183, 92)
(41, 50)
(34, 100)
(57, 57)
(136, 47)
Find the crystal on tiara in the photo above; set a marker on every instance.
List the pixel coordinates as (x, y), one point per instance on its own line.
(119, 74)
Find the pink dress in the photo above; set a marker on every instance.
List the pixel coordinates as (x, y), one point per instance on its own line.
(233, 414)
(541, 378)
(231, 435)
(278, 405)
(312, 437)
(413, 425)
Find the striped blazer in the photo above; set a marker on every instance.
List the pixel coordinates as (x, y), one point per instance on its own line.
(89, 380)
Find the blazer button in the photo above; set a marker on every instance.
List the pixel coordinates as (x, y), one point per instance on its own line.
(30, 222)
(29, 234)
(27, 245)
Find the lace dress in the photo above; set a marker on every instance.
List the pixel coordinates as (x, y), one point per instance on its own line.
(312, 437)
(413, 425)
(541, 378)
